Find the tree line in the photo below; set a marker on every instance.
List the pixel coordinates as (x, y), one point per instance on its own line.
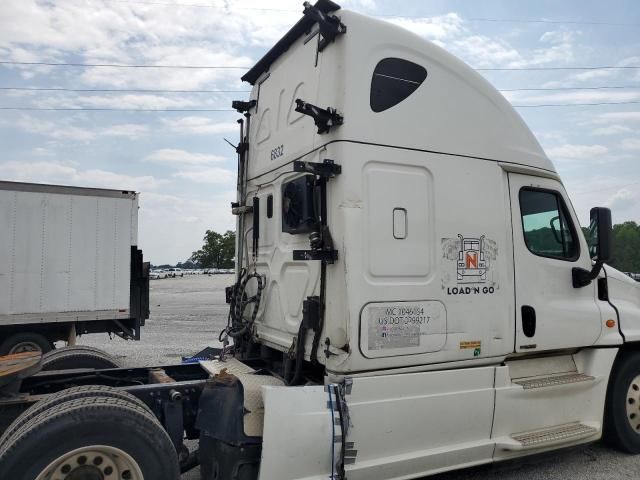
(626, 247)
(218, 249)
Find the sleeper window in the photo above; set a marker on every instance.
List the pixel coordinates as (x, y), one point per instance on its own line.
(394, 80)
(298, 205)
(546, 225)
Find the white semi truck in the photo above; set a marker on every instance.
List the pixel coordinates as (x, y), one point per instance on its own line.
(69, 265)
(414, 293)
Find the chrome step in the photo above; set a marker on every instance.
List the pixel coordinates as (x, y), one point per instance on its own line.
(545, 437)
(554, 380)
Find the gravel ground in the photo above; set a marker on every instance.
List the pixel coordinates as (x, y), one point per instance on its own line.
(188, 313)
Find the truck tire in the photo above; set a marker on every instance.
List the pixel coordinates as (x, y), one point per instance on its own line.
(65, 396)
(25, 342)
(87, 438)
(78, 356)
(622, 410)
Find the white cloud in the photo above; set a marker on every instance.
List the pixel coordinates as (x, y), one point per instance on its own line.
(577, 152)
(482, 51)
(631, 144)
(578, 96)
(212, 176)
(620, 193)
(194, 125)
(176, 157)
(122, 33)
(560, 48)
(602, 75)
(172, 226)
(551, 137)
(125, 130)
(67, 130)
(437, 29)
(615, 117)
(121, 101)
(614, 129)
(55, 172)
(624, 199)
(452, 32)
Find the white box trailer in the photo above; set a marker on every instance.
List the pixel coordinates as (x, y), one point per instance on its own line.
(414, 293)
(69, 265)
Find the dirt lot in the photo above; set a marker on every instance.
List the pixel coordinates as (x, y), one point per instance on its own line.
(188, 313)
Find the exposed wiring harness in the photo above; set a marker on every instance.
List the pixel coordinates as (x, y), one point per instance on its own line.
(237, 324)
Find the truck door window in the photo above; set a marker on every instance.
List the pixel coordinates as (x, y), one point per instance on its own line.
(394, 80)
(548, 230)
(298, 205)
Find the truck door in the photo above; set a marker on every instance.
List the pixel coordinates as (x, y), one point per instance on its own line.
(548, 243)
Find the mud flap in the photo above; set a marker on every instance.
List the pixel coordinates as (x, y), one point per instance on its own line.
(225, 451)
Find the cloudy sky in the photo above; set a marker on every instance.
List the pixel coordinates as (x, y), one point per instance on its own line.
(179, 161)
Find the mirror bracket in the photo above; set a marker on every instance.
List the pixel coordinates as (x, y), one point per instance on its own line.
(581, 277)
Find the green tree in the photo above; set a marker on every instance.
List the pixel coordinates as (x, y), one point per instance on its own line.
(626, 247)
(218, 250)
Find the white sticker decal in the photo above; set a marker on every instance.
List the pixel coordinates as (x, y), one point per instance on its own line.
(403, 328)
(397, 326)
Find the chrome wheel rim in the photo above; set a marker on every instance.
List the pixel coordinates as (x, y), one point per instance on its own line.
(633, 404)
(27, 346)
(98, 462)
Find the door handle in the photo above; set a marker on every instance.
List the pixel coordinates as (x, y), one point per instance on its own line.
(528, 320)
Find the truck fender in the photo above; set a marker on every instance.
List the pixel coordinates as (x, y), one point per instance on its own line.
(302, 434)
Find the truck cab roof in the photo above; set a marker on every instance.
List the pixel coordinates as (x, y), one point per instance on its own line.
(390, 86)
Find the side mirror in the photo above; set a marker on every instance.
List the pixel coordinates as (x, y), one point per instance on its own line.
(601, 234)
(600, 246)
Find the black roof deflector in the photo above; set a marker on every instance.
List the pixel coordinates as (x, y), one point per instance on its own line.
(303, 26)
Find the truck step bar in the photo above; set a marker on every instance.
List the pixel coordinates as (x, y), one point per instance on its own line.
(547, 437)
(553, 380)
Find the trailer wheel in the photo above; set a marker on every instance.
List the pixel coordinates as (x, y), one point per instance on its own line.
(622, 411)
(25, 342)
(78, 356)
(67, 395)
(90, 438)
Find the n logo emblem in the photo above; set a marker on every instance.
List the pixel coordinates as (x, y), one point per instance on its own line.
(472, 260)
(471, 264)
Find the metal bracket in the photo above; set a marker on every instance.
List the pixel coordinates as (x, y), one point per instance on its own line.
(323, 118)
(242, 106)
(242, 147)
(237, 209)
(330, 26)
(127, 333)
(348, 453)
(327, 256)
(172, 418)
(327, 169)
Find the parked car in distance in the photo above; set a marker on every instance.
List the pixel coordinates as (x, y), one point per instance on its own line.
(175, 272)
(157, 274)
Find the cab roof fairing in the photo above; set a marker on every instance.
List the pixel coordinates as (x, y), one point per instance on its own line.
(455, 111)
(303, 26)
